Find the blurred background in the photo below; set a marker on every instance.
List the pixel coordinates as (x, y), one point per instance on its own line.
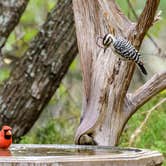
(58, 122)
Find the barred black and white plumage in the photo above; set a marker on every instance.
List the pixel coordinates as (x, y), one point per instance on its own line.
(124, 49)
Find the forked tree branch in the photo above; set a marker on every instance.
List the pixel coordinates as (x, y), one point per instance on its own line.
(106, 78)
(155, 85)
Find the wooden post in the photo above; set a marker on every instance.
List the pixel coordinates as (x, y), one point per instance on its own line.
(74, 155)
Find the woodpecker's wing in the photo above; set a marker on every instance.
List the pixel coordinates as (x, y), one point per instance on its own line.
(125, 49)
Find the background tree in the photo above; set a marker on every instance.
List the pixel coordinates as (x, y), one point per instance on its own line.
(10, 16)
(40, 70)
(107, 105)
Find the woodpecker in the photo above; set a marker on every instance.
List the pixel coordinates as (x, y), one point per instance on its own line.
(124, 49)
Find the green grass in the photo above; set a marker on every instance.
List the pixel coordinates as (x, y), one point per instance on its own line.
(153, 134)
(55, 131)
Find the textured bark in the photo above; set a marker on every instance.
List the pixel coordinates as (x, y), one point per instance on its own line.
(106, 78)
(10, 13)
(40, 71)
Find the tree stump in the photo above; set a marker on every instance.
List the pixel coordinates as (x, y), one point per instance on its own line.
(74, 155)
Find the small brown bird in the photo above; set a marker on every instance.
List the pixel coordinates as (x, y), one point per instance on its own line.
(5, 137)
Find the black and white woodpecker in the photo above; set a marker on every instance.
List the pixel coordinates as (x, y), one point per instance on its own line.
(124, 49)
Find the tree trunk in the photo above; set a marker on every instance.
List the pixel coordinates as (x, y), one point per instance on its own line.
(106, 104)
(10, 13)
(39, 72)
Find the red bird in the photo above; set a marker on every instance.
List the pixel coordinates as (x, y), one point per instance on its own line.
(5, 137)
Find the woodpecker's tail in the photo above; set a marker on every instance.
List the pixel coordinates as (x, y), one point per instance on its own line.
(141, 66)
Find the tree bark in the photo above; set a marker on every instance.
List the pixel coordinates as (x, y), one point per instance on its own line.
(39, 72)
(106, 78)
(10, 13)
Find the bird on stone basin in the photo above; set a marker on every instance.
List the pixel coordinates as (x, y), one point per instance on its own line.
(5, 137)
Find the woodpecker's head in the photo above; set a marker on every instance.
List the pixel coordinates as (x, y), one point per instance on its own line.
(107, 40)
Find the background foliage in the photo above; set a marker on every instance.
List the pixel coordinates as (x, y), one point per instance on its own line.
(59, 120)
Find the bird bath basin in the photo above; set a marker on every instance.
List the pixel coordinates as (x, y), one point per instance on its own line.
(72, 155)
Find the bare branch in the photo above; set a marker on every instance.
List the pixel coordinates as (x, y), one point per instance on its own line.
(155, 85)
(147, 16)
(145, 21)
(157, 17)
(11, 12)
(139, 129)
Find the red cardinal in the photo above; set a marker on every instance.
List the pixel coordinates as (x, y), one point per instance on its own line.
(5, 137)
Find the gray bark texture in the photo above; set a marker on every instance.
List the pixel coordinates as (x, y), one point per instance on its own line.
(10, 13)
(39, 72)
(107, 105)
